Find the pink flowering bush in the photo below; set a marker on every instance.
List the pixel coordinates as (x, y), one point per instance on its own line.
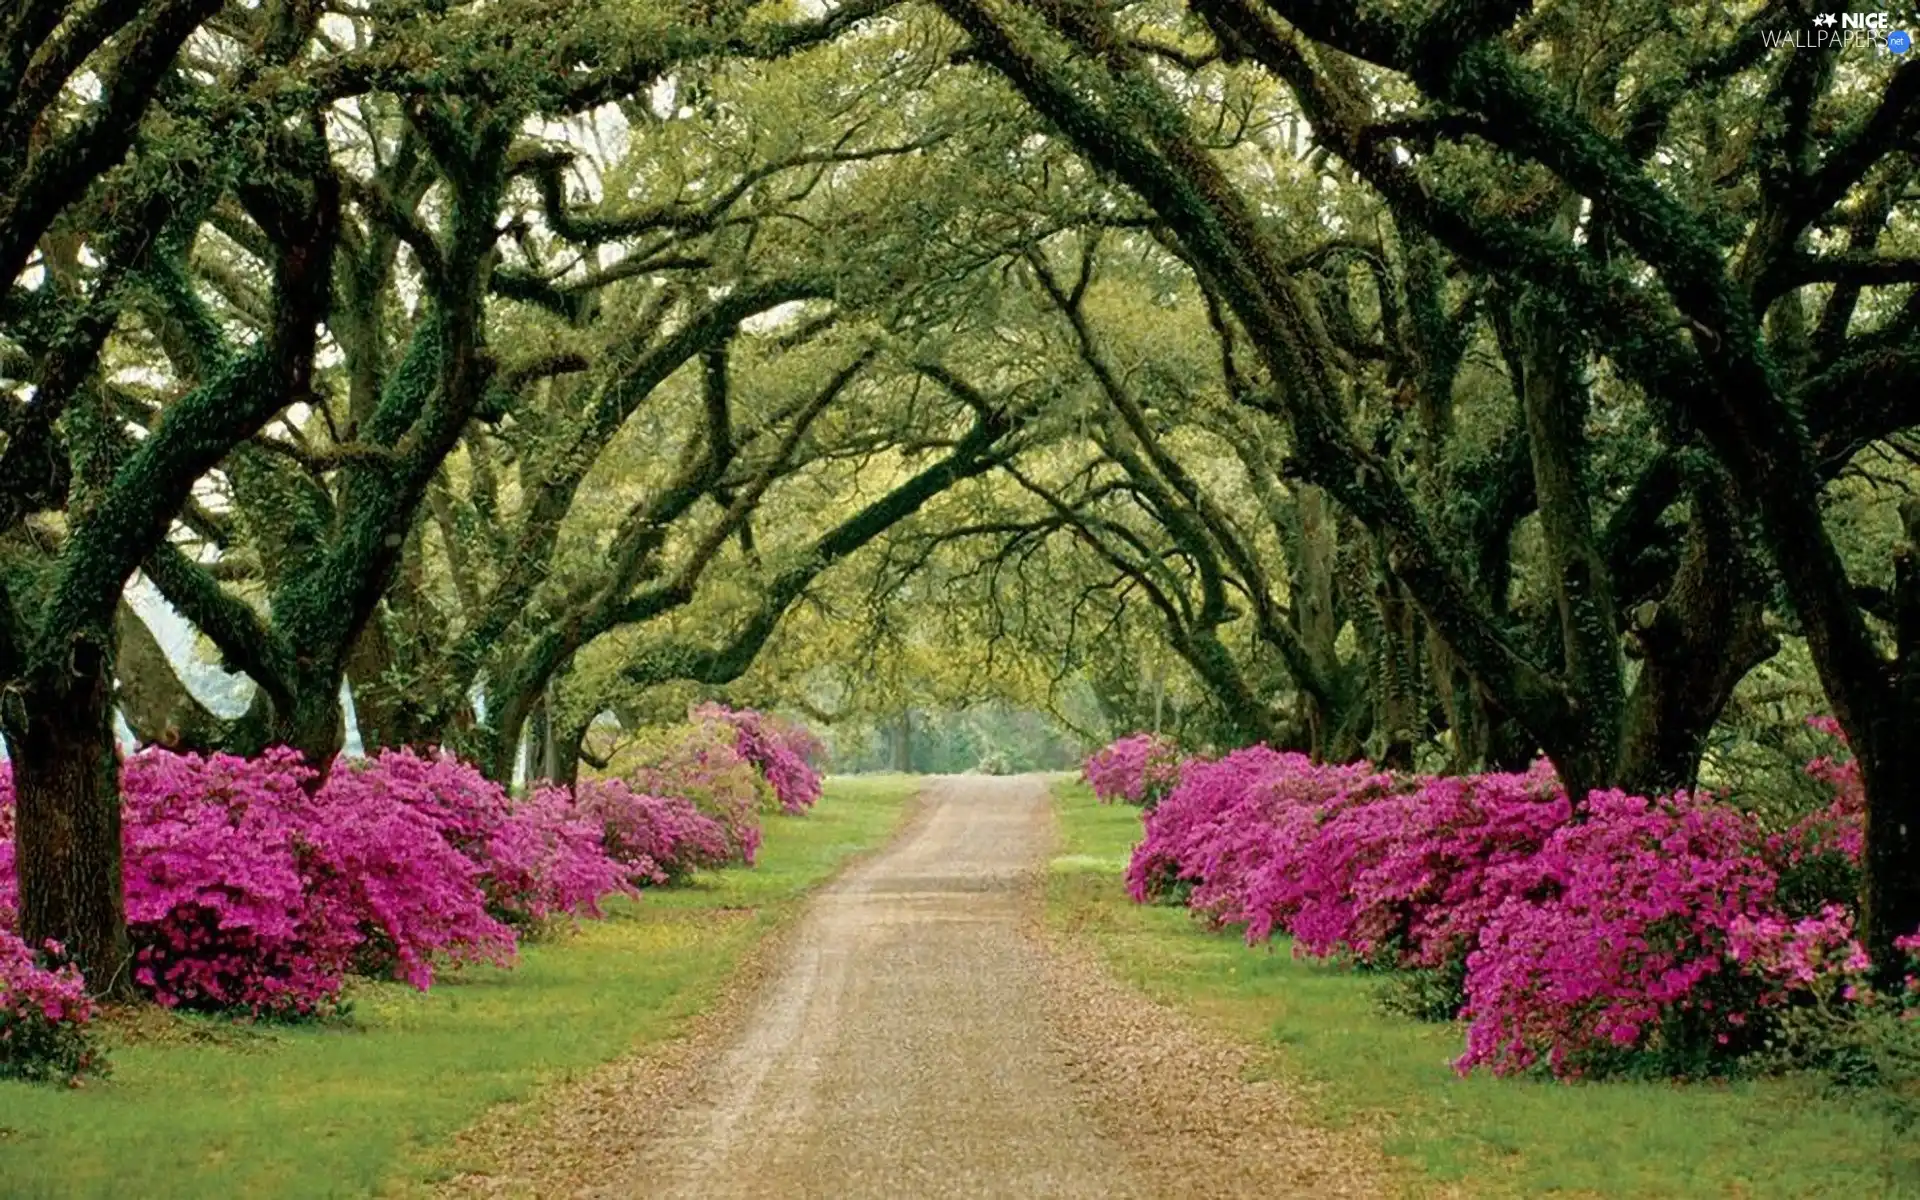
(1406, 877)
(1229, 821)
(656, 840)
(1649, 940)
(782, 752)
(536, 861)
(801, 740)
(1666, 935)
(1299, 874)
(464, 806)
(220, 910)
(699, 762)
(245, 891)
(1140, 769)
(249, 889)
(414, 897)
(45, 1015)
(1213, 801)
(1818, 856)
(549, 859)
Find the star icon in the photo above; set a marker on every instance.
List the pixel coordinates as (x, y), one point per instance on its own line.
(1826, 19)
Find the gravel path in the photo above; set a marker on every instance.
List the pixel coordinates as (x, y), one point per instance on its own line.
(917, 1036)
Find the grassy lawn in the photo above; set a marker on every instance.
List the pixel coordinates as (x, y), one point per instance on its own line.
(204, 1108)
(1774, 1138)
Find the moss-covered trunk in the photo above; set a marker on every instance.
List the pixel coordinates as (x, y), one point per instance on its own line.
(566, 741)
(1889, 757)
(313, 724)
(1542, 356)
(1697, 642)
(1312, 530)
(66, 777)
(1890, 900)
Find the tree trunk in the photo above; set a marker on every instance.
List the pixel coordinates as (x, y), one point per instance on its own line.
(1698, 642)
(565, 743)
(900, 740)
(496, 745)
(1508, 745)
(316, 727)
(1889, 758)
(1541, 353)
(1316, 621)
(386, 719)
(1397, 699)
(1453, 690)
(1890, 899)
(552, 751)
(539, 742)
(66, 778)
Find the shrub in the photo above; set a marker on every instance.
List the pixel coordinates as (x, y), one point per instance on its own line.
(45, 1015)
(1667, 936)
(1818, 856)
(779, 750)
(1867, 1046)
(654, 839)
(1159, 870)
(698, 762)
(549, 859)
(536, 860)
(219, 910)
(1232, 821)
(248, 890)
(1426, 993)
(1648, 943)
(1140, 769)
(414, 897)
(244, 891)
(1326, 826)
(1409, 879)
(803, 741)
(463, 806)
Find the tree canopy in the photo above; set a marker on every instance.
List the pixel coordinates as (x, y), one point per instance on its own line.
(1447, 383)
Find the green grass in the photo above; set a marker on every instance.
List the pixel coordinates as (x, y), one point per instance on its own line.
(204, 1108)
(1771, 1138)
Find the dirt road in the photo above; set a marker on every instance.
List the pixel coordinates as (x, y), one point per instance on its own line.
(920, 1040)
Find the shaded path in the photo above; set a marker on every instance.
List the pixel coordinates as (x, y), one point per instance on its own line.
(917, 1035)
(902, 1050)
(919, 1038)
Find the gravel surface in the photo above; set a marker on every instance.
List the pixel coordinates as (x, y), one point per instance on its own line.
(918, 1035)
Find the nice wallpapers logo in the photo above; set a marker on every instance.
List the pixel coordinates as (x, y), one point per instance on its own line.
(1838, 31)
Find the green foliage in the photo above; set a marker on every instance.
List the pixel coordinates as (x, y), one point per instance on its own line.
(1865, 1057)
(1426, 994)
